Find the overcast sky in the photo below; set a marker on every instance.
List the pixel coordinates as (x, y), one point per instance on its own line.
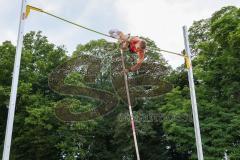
(160, 20)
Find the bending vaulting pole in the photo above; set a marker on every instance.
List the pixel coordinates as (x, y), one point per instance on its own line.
(12, 103)
(130, 108)
(193, 97)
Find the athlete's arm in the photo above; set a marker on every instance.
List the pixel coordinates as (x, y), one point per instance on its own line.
(139, 61)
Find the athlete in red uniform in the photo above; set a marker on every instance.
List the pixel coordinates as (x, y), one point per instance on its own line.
(134, 44)
(138, 46)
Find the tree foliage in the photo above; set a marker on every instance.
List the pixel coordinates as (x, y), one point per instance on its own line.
(215, 42)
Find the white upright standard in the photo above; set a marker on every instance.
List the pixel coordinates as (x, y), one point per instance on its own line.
(11, 109)
(193, 97)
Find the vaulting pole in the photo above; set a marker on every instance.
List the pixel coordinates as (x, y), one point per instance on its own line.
(193, 97)
(12, 103)
(130, 107)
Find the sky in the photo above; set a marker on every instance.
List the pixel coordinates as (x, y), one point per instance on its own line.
(159, 20)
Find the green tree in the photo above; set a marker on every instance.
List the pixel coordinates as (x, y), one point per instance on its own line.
(39, 134)
(34, 126)
(114, 131)
(216, 69)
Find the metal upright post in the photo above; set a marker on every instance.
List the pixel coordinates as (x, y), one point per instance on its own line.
(12, 103)
(193, 97)
(130, 108)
